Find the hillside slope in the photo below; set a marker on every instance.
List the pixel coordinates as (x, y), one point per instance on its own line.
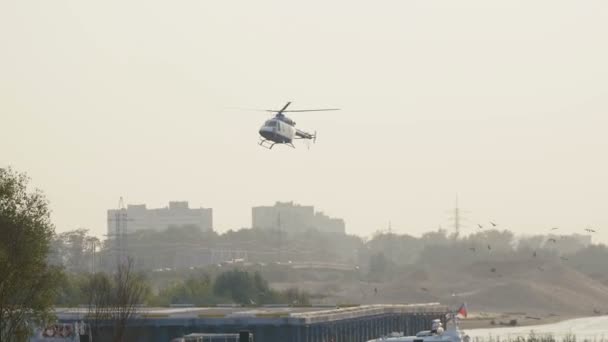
(510, 286)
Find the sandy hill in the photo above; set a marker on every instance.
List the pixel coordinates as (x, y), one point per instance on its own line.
(532, 287)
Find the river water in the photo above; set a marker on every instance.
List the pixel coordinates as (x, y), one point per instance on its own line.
(590, 328)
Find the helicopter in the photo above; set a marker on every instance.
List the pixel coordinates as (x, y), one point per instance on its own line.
(281, 129)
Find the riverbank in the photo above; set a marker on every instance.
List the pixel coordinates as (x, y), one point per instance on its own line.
(488, 320)
(594, 328)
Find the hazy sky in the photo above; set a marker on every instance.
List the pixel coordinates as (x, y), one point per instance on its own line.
(502, 102)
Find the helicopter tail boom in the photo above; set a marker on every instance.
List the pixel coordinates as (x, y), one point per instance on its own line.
(305, 135)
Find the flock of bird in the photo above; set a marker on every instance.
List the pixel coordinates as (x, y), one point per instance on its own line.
(534, 254)
(492, 223)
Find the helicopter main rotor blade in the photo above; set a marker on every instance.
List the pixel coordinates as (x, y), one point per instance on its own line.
(284, 107)
(310, 110)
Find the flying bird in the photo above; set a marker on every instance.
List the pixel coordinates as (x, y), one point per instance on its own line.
(554, 228)
(563, 258)
(493, 270)
(590, 230)
(552, 240)
(480, 226)
(534, 254)
(424, 289)
(489, 247)
(493, 224)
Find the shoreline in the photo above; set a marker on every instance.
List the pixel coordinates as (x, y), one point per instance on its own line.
(490, 320)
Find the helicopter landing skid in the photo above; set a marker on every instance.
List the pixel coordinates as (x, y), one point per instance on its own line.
(269, 144)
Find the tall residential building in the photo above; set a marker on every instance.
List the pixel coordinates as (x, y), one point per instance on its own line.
(291, 217)
(138, 217)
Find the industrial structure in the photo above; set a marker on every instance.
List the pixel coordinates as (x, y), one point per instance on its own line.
(290, 218)
(278, 323)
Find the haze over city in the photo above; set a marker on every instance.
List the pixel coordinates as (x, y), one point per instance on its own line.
(500, 103)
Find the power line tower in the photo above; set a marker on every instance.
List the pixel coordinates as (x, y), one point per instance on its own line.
(457, 218)
(280, 237)
(92, 244)
(391, 242)
(119, 235)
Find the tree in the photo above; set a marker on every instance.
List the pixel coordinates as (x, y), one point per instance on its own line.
(591, 261)
(115, 300)
(244, 288)
(379, 266)
(195, 290)
(99, 295)
(294, 296)
(72, 291)
(28, 283)
(75, 250)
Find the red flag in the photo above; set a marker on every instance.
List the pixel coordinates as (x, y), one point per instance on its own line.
(463, 310)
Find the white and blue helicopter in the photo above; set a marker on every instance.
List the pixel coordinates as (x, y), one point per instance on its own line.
(281, 129)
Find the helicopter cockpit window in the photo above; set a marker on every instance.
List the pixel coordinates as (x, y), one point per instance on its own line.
(271, 123)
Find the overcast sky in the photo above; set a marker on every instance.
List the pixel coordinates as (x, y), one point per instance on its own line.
(504, 103)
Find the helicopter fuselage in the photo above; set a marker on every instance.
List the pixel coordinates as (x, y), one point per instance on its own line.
(278, 131)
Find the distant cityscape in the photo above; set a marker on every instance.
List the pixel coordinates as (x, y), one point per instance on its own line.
(291, 217)
(288, 217)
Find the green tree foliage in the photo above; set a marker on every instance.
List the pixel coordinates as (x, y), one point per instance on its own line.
(100, 290)
(27, 283)
(439, 237)
(592, 261)
(74, 250)
(500, 241)
(399, 249)
(252, 289)
(528, 244)
(243, 288)
(163, 249)
(73, 290)
(380, 267)
(197, 290)
(176, 246)
(296, 297)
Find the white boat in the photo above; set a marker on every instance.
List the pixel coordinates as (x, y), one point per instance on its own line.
(452, 333)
